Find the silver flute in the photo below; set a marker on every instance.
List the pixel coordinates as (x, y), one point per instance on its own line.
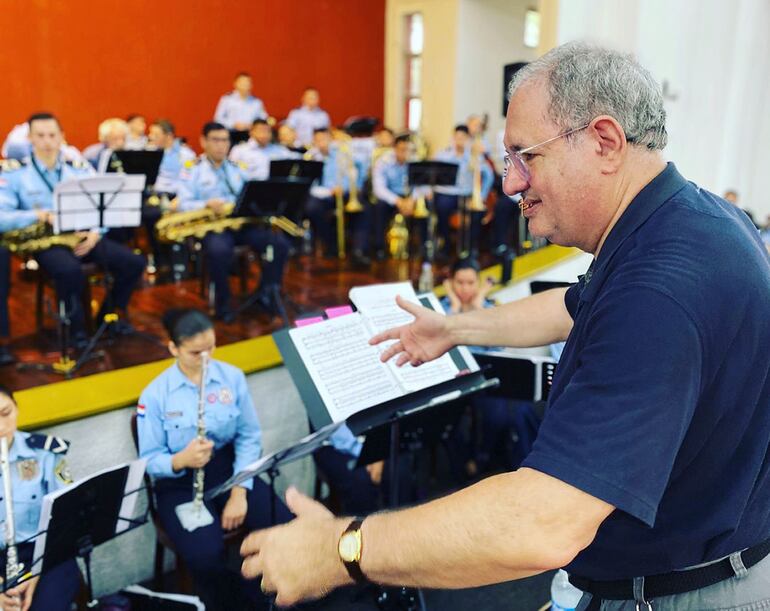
(13, 568)
(199, 474)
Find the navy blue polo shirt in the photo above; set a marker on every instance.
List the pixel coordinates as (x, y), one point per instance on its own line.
(661, 401)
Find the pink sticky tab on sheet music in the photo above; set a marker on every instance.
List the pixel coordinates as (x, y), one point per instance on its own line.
(338, 311)
(304, 322)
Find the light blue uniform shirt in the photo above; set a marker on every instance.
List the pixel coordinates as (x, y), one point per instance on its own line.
(335, 173)
(232, 109)
(304, 121)
(464, 184)
(30, 188)
(257, 158)
(167, 417)
(203, 182)
(390, 179)
(35, 471)
(344, 441)
(171, 166)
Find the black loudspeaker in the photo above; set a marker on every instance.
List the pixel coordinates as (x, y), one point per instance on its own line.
(508, 71)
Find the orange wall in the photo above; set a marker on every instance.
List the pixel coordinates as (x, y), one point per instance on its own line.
(87, 60)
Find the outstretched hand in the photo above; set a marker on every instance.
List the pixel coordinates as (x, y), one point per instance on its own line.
(424, 339)
(299, 560)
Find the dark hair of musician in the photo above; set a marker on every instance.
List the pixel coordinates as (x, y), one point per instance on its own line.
(462, 128)
(321, 130)
(166, 126)
(184, 323)
(465, 263)
(4, 390)
(402, 138)
(133, 116)
(212, 126)
(42, 116)
(259, 122)
(240, 74)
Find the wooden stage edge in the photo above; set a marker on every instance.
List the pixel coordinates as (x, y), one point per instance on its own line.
(86, 396)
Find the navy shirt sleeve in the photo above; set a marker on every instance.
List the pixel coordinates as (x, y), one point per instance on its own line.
(615, 430)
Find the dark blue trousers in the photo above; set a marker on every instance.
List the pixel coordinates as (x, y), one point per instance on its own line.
(203, 549)
(506, 211)
(5, 284)
(57, 587)
(219, 251)
(321, 212)
(508, 430)
(445, 206)
(358, 495)
(66, 271)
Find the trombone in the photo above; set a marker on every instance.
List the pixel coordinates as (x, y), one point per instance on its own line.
(195, 514)
(353, 205)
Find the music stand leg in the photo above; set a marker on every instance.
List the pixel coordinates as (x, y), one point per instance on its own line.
(86, 547)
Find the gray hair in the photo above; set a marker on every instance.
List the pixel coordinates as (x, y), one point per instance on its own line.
(585, 81)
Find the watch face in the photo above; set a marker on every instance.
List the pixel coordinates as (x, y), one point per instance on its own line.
(348, 547)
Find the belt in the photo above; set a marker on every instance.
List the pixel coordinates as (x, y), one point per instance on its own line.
(675, 582)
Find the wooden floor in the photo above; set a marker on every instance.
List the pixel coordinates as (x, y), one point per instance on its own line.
(313, 283)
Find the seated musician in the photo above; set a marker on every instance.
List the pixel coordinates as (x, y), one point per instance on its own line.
(167, 418)
(507, 427)
(308, 117)
(335, 182)
(446, 199)
(257, 152)
(162, 136)
(137, 132)
(6, 356)
(213, 182)
(37, 467)
(113, 134)
(390, 186)
(287, 137)
(26, 197)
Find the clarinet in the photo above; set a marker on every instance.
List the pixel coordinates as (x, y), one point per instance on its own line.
(198, 477)
(13, 568)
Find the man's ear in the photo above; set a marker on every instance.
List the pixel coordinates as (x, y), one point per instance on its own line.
(610, 141)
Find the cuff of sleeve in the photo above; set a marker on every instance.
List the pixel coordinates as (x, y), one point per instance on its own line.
(162, 467)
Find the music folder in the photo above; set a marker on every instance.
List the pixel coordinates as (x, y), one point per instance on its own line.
(273, 197)
(298, 168)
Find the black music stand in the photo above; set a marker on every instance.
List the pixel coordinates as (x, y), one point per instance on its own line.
(146, 163)
(270, 200)
(272, 463)
(431, 174)
(85, 515)
(299, 168)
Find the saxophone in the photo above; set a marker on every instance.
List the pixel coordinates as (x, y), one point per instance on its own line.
(35, 238)
(13, 568)
(176, 227)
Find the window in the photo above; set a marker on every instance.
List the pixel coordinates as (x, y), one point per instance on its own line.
(531, 28)
(413, 70)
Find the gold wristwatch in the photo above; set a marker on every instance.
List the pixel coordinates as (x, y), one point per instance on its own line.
(349, 549)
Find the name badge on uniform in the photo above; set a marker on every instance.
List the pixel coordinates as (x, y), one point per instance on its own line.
(225, 396)
(28, 469)
(174, 414)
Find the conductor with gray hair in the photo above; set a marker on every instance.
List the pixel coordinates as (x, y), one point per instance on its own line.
(650, 478)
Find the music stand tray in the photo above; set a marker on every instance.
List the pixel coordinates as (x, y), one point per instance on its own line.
(299, 168)
(146, 163)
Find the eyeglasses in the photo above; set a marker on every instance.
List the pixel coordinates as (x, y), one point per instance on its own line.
(516, 158)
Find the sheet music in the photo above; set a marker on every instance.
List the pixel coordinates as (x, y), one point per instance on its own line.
(345, 369)
(377, 303)
(193, 601)
(76, 202)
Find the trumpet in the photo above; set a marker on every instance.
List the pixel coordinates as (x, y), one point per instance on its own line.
(195, 514)
(13, 568)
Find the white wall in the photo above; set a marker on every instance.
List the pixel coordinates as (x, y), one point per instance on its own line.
(490, 35)
(715, 57)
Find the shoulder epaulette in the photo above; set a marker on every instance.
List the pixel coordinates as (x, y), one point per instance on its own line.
(191, 163)
(78, 164)
(57, 445)
(8, 165)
